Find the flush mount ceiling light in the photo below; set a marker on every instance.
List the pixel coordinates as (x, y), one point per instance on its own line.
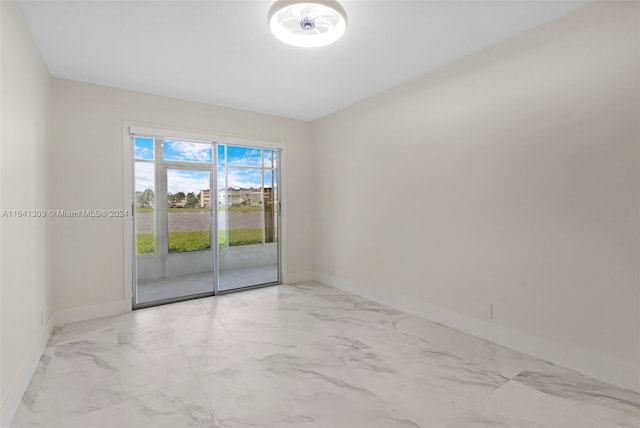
(309, 23)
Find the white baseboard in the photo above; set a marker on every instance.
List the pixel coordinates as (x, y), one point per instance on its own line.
(621, 373)
(83, 313)
(16, 391)
(293, 277)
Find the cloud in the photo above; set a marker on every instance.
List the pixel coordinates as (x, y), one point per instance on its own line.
(182, 180)
(143, 148)
(243, 156)
(144, 176)
(144, 153)
(179, 180)
(241, 178)
(185, 151)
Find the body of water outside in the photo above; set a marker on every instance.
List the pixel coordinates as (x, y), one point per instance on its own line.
(199, 220)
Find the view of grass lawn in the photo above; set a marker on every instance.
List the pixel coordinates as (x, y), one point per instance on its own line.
(145, 243)
(198, 240)
(189, 241)
(242, 237)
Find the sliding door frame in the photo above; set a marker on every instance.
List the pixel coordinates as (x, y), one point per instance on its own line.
(129, 131)
(275, 170)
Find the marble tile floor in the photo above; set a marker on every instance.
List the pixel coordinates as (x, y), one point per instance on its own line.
(199, 283)
(303, 355)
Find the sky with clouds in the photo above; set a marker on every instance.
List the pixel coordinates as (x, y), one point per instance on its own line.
(184, 180)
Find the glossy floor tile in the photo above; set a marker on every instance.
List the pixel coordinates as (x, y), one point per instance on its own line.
(303, 355)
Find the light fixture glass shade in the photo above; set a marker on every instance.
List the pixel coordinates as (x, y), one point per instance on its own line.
(309, 23)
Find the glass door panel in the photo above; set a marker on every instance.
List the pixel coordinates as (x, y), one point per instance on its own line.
(173, 220)
(249, 253)
(188, 211)
(145, 208)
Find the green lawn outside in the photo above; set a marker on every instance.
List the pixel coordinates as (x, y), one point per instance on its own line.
(180, 242)
(198, 240)
(145, 243)
(242, 237)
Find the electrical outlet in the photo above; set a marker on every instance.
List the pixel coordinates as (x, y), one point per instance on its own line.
(41, 316)
(333, 268)
(487, 311)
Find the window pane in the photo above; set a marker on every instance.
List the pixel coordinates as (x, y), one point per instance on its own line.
(269, 212)
(187, 151)
(145, 204)
(276, 206)
(222, 197)
(245, 156)
(221, 158)
(268, 155)
(248, 217)
(143, 148)
(244, 215)
(189, 204)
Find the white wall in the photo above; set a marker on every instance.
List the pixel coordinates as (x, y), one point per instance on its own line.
(25, 287)
(510, 177)
(87, 172)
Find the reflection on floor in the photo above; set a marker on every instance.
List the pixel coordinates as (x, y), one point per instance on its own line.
(306, 355)
(179, 286)
(237, 278)
(199, 283)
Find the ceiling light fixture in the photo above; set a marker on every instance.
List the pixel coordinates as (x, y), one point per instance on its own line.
(309, 23)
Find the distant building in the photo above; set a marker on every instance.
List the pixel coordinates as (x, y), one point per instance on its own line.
(177, 203)
(205, 198)
(251, 197)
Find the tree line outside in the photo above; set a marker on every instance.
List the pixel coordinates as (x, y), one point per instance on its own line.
(146, 199)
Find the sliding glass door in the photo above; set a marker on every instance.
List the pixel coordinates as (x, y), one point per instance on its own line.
(173, 220)
(206, 219)
(248, 213)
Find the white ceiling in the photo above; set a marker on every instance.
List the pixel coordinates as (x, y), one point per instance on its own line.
(222, 53)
